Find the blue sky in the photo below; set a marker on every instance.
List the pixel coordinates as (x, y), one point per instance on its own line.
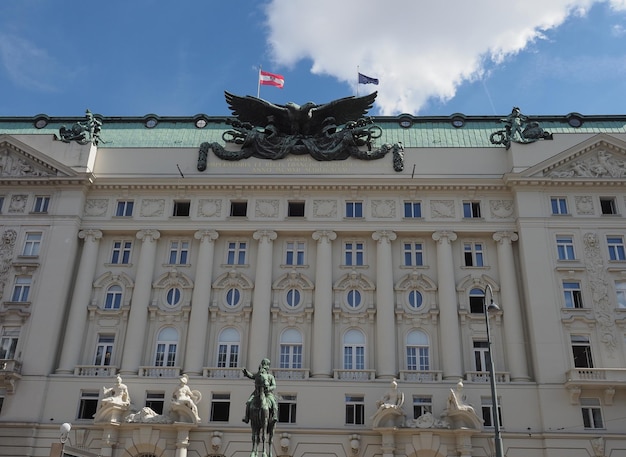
(135, 57)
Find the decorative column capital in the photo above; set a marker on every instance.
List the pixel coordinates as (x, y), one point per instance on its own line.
(265, 235)
(324, 236)
(384, 236)
(444, 235)
(90, 235)
(505, 237)
(206, 235)
(148, 235)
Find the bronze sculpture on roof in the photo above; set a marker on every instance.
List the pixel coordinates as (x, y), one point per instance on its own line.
(331, 131)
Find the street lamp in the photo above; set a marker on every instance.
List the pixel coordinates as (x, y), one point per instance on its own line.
(491, 307)
(65, 430)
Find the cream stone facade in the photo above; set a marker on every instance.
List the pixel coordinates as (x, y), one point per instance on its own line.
(135, 288)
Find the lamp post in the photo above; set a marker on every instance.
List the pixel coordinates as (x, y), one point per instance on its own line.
(492, 373)
(65, 430)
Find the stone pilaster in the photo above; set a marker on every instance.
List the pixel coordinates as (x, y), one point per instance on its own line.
(77, 317)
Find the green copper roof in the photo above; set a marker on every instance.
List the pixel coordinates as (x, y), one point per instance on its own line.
(415, 131)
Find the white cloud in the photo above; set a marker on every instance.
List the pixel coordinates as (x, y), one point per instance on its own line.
(418, 49)
(28, 65)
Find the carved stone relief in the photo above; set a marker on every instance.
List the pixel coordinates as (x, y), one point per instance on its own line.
(602, 164)
(501, 209)
(152, 207)
(266, 208)
(14, 165)
(325, 208)
(442, 209)
(7, 246)
(209, 208)
(96, 206)
(383, 208)
(599, 290)
(18, 203)
(584, 204)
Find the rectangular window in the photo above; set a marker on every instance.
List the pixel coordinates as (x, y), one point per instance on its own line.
(559, 205)
(413, 254)
(473, 254)
(8, 342)
(412, 209)
(486, 404)
(353, 252)
(355, 410)
(417, 358)
(608, 205)
(481, 356)
(287, 408)
(290, 356)
(353, 357)
(565, 247)
(124, 208)
(181, 208)
(617, 252)
(88, 404)
(228, 355)
(620, 292)
(32, 243)
(220, 407)
(165, 355)
(21, 289)
(238, 209)
(236, 254)
(295, 209)
(179, 252)
(471, 209)
(294, 253)
(422, 404)
(592, 413)
(581, 350)
(41, 204)
(104, 350)
(121, 252)
(572, 294)
(354, 209)
(155, 401)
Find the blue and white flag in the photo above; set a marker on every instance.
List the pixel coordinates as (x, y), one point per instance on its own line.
(367, 80)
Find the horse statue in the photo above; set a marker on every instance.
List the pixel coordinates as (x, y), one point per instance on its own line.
(262, 411)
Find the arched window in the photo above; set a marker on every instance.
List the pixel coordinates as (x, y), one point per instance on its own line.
(167, 342)
(291, 349)
(113, 298)
(354, 350)
(417, 351)
(477, 301)
(228, 348)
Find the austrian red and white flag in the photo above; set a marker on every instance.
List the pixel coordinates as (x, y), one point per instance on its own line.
(271, 79)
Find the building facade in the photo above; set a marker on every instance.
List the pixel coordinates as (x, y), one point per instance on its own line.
(133, 256)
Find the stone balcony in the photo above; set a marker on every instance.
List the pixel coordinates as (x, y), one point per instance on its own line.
(159, 372)
(10, 372)
(354, 375)
(95, 370)
(608, 379)
(222, 373)
(420, 376)
(479, 377)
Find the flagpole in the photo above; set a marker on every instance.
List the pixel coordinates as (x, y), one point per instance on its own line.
(357, 80)
(258, 81)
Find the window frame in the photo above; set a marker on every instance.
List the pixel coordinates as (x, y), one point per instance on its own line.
(121, 255)
(616, 248)
(179, 251)
(481, 355)
(472, 210)
(559, 206)
(236, 252)
(102, 349)
(591, 410)
(124, 208)
(582, 354)
(413, 253)
(220, 407)
(21, 289)
(474, 254)
(155, 400)
(88, 404)
(486, 406)
(354, 209)
(9, 340)
(572, 294)
(181, 208)
(41, 204)
(295, 252)
(608, 206)
(355, 409)
(417, 352)
(296, 209)
(565, 248)
(354, 253)
(412, 209)
(113, 299)
(32, 247)
(422, 404)
(287, 408)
